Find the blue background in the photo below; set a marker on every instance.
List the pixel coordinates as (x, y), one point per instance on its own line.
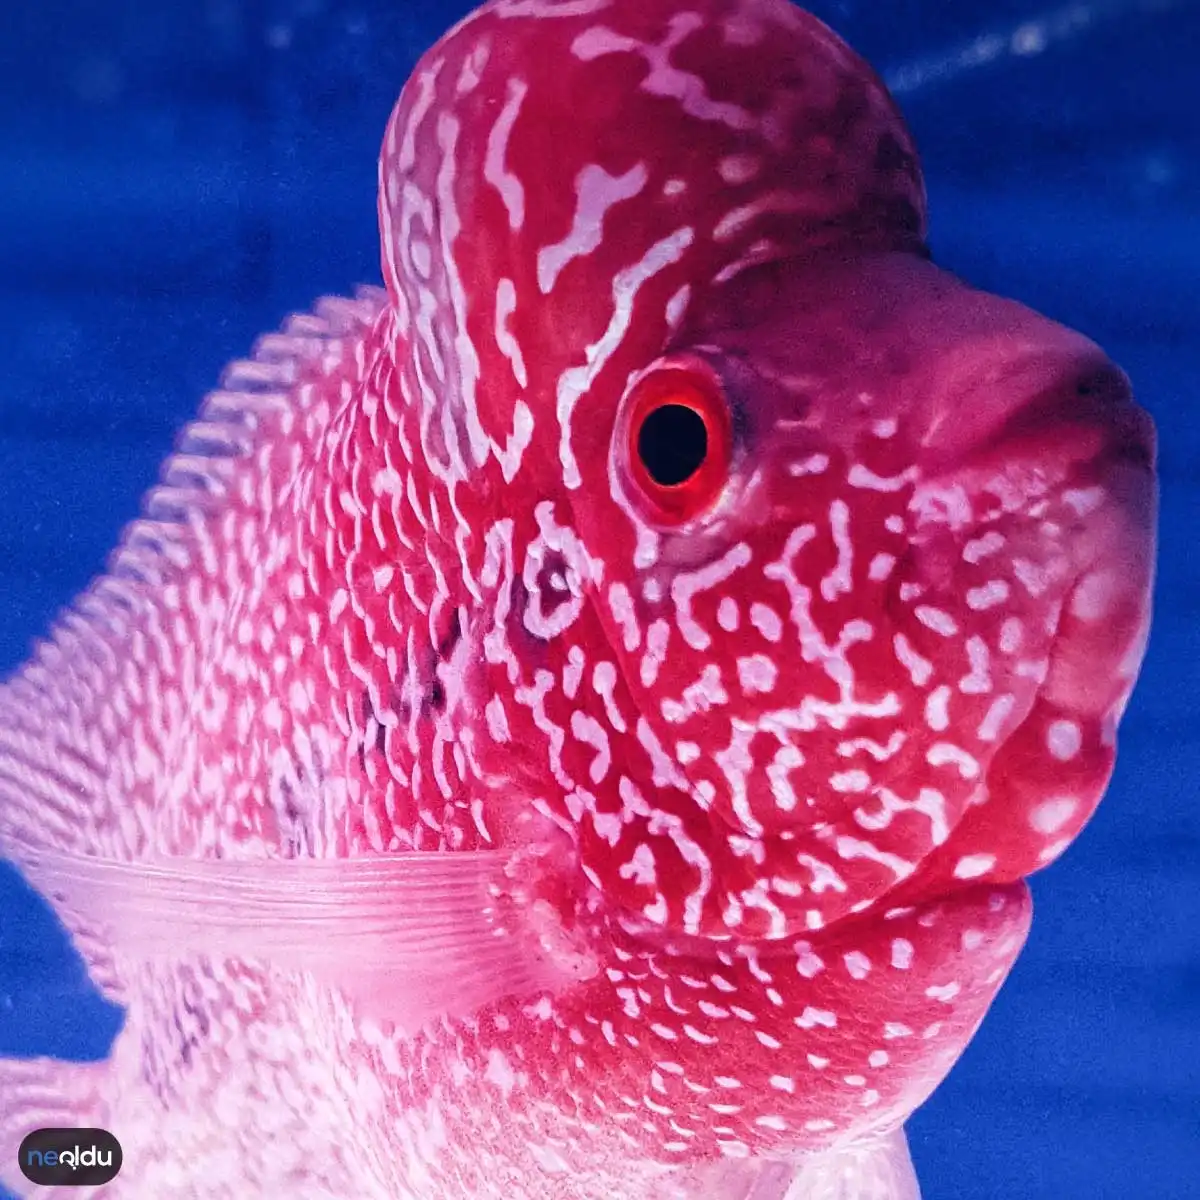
(175, 178)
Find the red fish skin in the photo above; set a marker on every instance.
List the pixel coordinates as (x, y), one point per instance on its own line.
(395, 593)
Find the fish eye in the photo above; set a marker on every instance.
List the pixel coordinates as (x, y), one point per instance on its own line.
(672, 443)
(678, 442)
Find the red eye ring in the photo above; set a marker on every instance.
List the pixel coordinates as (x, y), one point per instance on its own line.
(678, 442)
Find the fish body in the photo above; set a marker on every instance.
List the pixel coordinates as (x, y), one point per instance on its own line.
(668, 530)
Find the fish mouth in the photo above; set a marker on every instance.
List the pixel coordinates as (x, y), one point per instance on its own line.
(1023, 385)
(1091, 416)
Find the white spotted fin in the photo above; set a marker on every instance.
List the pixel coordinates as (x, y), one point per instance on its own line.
(881, 1169)
(408, 938)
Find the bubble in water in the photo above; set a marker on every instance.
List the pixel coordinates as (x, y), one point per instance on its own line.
(1024, 39)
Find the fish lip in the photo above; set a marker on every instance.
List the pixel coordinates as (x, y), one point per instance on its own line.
(1133, 437)
(1091, 415)
(1017, 887)
(1119, 436)
(1057, 391)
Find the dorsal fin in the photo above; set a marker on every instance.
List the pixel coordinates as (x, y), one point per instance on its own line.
(59, 721)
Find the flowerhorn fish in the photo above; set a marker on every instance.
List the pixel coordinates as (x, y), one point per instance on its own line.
(575, 723)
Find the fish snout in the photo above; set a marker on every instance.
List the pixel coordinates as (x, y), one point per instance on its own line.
(1038, 390)
(1085, 413)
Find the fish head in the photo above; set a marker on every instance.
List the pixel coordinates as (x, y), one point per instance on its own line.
(864, 541)
(858, 558)
(882, 553)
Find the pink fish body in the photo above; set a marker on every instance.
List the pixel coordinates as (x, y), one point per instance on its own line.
(671, 545)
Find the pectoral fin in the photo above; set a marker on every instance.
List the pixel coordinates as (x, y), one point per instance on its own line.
(409, 937)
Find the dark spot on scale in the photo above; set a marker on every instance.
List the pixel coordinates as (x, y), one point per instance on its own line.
(373, 741)
(186, 1039)
(166, 1060)
(435, 691)
(451, 638)
(153, 1072)
(427, 689)
(290, 809)
(553, 583)
(294, 789)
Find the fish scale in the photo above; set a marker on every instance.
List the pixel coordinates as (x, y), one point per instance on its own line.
(154, 1085)
(463, 810)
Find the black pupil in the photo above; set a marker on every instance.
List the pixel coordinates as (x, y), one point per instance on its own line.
(672, 444)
